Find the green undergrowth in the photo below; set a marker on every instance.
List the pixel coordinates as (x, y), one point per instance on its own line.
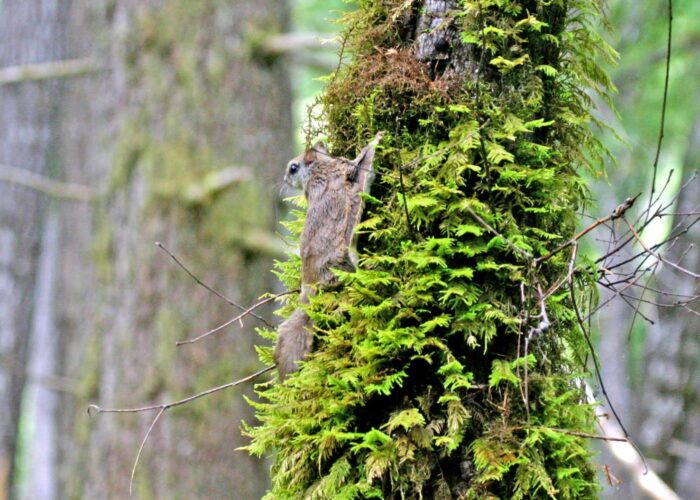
(416, 387)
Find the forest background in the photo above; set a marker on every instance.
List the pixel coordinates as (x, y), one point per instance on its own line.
(173, 123)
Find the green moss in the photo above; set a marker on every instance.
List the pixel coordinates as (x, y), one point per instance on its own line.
(416, 386)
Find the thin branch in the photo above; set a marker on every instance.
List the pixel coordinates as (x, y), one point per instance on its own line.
(57, 189)
(297, 43)
(647, 219)
(488, 227)
(616, 294)
(673, 237)
(665, 98)
(575, 433)
(659, 257)
(207, 287)
(43, 71)
(162, 408)
(599, 376)
(143, 443)
(237, 318)
(167, 406)
(615, 214)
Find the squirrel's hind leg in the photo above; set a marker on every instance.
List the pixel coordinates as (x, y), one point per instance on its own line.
(294, 342)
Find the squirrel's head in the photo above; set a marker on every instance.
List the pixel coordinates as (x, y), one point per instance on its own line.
(316, 161)
(300, 168)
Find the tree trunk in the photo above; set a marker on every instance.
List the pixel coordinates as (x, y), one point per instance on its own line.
(669, 417)
(420, 385)
(30, 32)
(181, 95)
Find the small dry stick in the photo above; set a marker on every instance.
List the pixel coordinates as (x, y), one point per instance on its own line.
(573, 433)
(143, 443)
(237, 318)
(166, 406)
(586, 335)
(615, 214)
(207, 287)
(535, 332)
(493, 231)
(658, 256)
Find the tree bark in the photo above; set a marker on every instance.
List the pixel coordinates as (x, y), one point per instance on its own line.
(30, 32)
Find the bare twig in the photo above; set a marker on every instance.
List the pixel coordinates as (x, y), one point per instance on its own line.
(665, 98)
(658, 256)
(488, 227)
(596, 367)
(296, 43)
(615, 214)
(186, 400)
(207, 287)
(237, 318)
(574, 433)
(628, 455)
(162, 408)
(143, 443)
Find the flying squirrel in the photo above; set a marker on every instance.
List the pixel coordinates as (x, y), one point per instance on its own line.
(332, 188)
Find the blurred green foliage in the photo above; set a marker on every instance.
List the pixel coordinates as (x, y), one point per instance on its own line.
(639, 35)
(318, 17)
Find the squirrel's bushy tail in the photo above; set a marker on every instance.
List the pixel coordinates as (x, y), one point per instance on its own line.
(294, 342)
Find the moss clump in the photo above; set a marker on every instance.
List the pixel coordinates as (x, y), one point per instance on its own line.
(417, 384)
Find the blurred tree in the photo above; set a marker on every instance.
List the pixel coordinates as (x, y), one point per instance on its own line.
(30, 32)
(647, 368)
(668, 416)
(182, 133)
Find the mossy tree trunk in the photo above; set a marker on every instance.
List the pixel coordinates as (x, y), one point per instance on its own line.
(417, 386)
(182, 95)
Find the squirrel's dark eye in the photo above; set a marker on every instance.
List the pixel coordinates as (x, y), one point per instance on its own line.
(293, 168)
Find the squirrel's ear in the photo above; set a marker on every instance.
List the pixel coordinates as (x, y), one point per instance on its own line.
(366, 157)
(320, 147)
(317, 149)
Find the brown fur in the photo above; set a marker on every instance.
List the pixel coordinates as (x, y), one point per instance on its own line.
(332, 187)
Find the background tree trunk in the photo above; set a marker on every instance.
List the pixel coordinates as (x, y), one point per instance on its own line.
(30, 32)
(181, 93)
(669, 412)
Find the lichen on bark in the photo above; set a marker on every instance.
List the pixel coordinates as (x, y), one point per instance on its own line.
(417, 384)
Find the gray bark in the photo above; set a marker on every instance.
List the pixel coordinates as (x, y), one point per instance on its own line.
(30, 32)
